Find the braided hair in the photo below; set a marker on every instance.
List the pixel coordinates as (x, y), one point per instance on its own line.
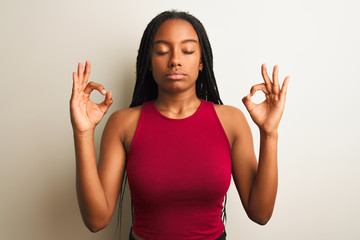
(146, 88)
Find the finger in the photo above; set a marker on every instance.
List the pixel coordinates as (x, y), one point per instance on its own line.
(108, 98)
(247, 99)
(94, 86)
(87, 71)
(266, 77)
(248, 103)
(105, 105)
(258, 87)
(80, 72)
(283, 90)
(75, 83)
(275, 85)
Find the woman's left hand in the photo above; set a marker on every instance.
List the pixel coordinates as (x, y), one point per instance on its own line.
(267, 114)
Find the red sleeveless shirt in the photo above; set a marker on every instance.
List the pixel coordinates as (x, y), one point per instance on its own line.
(179, 171)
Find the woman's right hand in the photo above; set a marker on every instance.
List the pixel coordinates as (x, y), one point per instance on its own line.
(85, 114)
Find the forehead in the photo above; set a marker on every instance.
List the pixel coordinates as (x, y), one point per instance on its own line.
(176, 30)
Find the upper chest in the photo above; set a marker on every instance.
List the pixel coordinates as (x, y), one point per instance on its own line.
(175, 128)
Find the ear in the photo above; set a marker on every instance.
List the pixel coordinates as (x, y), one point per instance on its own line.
(200, 66)
(150, 67)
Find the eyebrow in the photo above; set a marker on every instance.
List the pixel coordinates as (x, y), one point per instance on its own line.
(183, 41)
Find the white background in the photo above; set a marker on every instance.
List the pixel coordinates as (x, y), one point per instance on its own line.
(315, 42)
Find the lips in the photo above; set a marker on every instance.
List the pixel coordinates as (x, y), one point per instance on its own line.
(175, 75)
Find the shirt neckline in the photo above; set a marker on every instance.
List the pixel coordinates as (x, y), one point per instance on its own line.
(152, 103)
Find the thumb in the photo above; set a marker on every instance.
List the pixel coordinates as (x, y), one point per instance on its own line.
(246, 100)
(105, 105)
(248, 103)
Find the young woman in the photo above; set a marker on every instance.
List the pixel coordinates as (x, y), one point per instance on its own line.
(178, 144)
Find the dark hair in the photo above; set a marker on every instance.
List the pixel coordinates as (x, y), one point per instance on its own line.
(146, 88)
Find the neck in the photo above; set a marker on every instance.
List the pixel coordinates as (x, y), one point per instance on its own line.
(177, 106)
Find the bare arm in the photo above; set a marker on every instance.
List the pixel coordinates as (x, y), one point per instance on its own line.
(94, 206)
(257, 182)
(97, 195)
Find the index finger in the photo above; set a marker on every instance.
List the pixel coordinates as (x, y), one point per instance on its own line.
(92, 86)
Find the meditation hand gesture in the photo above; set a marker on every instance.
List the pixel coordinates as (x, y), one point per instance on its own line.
(267, 114)
(85, 114)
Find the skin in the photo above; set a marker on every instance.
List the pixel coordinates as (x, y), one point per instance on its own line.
(175, 64)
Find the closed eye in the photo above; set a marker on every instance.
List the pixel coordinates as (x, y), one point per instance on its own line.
(188, 52)
(161, 53)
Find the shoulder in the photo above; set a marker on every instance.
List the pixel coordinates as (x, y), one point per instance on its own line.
(229, 113)
(233, 121)
(125, 115)
(123, 122)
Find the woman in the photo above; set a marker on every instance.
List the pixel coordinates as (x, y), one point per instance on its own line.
(178, 144)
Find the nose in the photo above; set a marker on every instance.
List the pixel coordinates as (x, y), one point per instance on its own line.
(174, 60)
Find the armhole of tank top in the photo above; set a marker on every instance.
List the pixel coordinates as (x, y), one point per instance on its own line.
(220, 125)
(138, 126)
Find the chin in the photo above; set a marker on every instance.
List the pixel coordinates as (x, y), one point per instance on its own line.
(175, 87)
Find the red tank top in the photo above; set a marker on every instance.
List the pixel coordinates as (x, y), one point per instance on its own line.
(179, 171)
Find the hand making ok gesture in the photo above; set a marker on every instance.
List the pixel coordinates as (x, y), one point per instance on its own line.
(267, 114)
(85, 114)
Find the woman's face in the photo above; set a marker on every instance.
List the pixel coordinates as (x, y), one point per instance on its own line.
(176, 56)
